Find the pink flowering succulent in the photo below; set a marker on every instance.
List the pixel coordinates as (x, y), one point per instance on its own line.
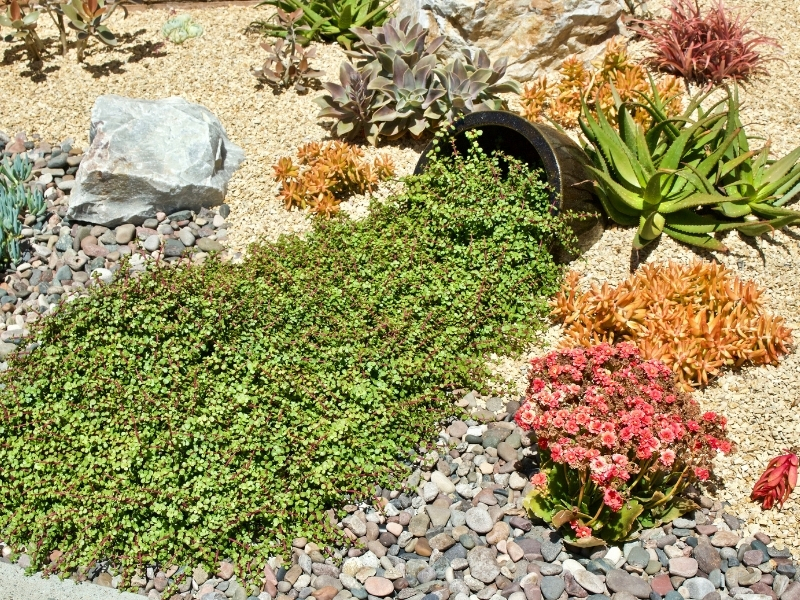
(619, 442)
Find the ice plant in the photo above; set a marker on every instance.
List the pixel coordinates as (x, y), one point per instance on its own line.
(777, 482)
(619, 442)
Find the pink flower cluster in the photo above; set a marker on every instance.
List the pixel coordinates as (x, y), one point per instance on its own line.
(605, 411)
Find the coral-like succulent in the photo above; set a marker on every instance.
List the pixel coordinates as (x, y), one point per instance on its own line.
(328, 173)
(287, 61)
(561, 101)
(704, 49)
(697, 319)
(181, 28)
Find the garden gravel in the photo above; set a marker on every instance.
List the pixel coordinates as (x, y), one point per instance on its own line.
(761, 403)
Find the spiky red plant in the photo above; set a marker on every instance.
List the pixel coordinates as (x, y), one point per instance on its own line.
(777, 482)
(705, 49)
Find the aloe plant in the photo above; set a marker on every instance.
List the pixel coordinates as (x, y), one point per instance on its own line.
(329, 20)
(675, 178)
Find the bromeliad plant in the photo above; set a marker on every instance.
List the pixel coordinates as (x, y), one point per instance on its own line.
(287, 61)
(704, 49)
(329, 20)
(688, 176)
(619, 442)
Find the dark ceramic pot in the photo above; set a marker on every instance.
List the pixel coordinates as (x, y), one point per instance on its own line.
(543, 147)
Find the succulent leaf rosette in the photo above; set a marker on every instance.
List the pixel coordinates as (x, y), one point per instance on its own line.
(619, 442)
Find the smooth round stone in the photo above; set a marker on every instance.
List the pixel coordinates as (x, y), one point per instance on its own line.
(443, 482)
(124, 233)
(378, 586)
(427, 574)
(479, 520)
(173, 248)
(638, 557)
(152, 243)
(186, 237)
(552, 587)
(698, 587)
(620, 581)
(589, 581)
(467, 541)
(683, 566)
(482, 564)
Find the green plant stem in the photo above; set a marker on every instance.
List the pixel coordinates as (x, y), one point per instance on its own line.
(674, 489)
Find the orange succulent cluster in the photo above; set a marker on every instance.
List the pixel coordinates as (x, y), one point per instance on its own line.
(562, 101)
(696, 318)
(326, 173)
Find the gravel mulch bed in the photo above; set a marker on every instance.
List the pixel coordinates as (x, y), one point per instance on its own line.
(760, 403)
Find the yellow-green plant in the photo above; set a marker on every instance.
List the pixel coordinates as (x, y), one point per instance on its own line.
(688, 176)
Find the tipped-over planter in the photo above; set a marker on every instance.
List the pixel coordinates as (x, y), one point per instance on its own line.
(561, 160)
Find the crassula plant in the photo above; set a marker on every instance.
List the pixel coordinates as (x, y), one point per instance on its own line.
(619, 442)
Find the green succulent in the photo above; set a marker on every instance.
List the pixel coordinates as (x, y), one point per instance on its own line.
(474, 84)
(672, 178)
(181, 28)
(329, 20)
(378, 48)
(17, 171)
(350, 104)
(409, 99)
(24, 28)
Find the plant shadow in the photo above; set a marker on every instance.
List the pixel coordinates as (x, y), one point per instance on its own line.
(131, 51)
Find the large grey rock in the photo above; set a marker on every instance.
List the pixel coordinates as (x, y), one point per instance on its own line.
(148, 156)
(533, 34)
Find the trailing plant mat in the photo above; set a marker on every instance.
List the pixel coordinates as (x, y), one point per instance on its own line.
(761, 403)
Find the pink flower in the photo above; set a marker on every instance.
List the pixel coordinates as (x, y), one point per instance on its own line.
(667, 458)
(702, 474)
(608, 439)
(581, 531)
(539, 480)
(613, 499)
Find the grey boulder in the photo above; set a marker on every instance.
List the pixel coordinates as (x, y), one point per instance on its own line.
(148, 156)
(533, 35)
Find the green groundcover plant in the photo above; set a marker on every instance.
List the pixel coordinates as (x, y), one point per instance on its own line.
(192, 414)
(619, 442)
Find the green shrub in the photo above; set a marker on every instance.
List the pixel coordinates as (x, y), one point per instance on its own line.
(223, 408)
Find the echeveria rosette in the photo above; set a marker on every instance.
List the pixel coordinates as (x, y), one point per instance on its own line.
(619, 442)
